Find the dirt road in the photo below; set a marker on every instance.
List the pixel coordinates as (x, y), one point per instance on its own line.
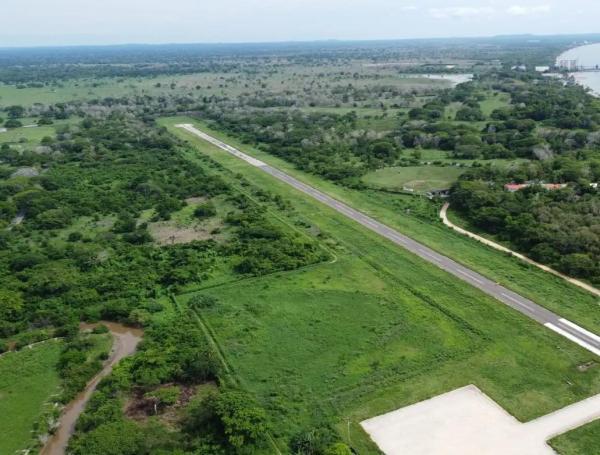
(125, 343)
(496, 246)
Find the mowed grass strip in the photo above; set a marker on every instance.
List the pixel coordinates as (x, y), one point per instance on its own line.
(417, 178)
(582, 441)
(28, 378)
(377, 330)
(547, 290)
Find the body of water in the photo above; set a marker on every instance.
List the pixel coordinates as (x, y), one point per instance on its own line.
(589, 79)
(587, 56)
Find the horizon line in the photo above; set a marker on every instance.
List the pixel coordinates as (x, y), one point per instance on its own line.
(300, 41)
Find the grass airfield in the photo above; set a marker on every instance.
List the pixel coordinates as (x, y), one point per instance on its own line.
(376, 330)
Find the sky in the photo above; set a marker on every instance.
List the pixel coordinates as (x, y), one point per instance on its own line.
(72, 22)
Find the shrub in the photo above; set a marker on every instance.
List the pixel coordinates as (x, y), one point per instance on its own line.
(244, 423)
(206, 210)
(202, 301)
(13, 123)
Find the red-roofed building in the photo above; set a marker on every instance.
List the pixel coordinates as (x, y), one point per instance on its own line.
(512, 187)
(554, 186)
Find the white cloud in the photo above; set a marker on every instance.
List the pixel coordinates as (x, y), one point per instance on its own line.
(409, 8)
(461, 11)
(518, 10)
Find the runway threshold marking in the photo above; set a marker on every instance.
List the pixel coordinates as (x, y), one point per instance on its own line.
(593, 336)
(573, 338)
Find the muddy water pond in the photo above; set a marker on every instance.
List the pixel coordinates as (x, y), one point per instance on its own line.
(125, 343)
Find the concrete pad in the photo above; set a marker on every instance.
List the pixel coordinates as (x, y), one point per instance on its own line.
(468, 422)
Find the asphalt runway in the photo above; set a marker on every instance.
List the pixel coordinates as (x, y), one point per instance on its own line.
(552, 321)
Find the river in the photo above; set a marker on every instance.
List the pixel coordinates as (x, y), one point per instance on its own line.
(125, 343)
(588, 56)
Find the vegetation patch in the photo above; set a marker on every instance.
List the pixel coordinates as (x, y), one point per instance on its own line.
(340, 377)
(29, 382)
(271, 322)
(198, 220)
(419, 179)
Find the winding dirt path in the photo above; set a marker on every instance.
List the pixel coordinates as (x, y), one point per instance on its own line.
(496, 246)
(125, 343)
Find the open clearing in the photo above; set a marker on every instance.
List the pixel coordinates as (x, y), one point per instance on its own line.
(467, 422)
(28, 378)
(415, 178)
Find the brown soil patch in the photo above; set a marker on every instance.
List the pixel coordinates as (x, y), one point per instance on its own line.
(166, 233)
(196, 200)
(139, 408)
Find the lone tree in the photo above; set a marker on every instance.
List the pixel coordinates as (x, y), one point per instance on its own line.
(15, 112)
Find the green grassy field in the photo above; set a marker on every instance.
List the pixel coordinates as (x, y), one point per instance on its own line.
(376, 330)
(547, 290)
(28, 379)
(31, 136)
(28, 135)
(493, 101)
(582, 441)
(87, 89)
(442, 156)
(416, 178)
(29, 384)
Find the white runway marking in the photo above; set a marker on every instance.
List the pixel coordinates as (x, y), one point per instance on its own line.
(573, 338)
(593, 336)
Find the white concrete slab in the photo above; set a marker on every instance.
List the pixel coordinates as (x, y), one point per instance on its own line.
(468, 422)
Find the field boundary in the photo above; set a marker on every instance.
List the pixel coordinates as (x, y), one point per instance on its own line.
(30, 346)
(212, 340)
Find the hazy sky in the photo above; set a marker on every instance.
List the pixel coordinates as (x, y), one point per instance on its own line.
(57, 22)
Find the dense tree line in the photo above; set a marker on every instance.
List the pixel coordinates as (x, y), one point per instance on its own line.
(545, 119)
(330, 145)
(555, 227)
